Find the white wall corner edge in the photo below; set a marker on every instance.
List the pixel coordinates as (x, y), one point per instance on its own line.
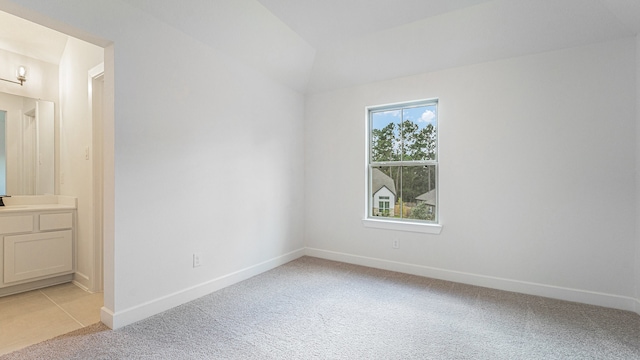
(118, 319)
(106, 317)
(549, 291)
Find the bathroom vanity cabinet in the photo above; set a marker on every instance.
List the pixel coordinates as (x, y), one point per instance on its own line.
(36, 246)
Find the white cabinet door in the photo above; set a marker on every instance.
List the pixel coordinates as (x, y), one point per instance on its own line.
(36, 255)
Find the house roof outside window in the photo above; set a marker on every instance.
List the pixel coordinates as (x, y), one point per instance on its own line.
(380, 180)
(429, 197)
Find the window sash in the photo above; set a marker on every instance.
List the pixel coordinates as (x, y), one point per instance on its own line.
(371, 201)
(404, 163)
(401, 107)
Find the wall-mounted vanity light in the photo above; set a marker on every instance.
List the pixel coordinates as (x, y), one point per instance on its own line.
(21, 75)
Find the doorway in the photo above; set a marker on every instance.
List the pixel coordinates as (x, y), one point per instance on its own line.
(96, 143)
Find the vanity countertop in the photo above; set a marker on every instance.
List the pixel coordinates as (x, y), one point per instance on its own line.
(26, 203)
(39, 207)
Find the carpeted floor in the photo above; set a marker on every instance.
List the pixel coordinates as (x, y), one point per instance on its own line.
(318, 309)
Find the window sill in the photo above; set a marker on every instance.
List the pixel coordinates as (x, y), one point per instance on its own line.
(403, 226)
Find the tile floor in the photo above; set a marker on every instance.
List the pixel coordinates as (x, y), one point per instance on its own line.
(38, 315)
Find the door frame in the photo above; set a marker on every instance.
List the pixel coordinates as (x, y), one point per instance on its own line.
(96, 81)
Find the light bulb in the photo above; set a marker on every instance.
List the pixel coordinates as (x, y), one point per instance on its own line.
(21, 73)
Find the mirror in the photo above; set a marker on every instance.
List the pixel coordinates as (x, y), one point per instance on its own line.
(3, 154)
(26, 146)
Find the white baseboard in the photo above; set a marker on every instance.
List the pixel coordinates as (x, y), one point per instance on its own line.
(81, 280)
(80, 285)
(106, 317)
(128, 316)
(78, 274)
(550, 291)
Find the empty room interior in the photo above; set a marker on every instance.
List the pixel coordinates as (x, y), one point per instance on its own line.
(227, 139)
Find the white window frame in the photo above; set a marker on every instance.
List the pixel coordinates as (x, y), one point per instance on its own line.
(411, 225)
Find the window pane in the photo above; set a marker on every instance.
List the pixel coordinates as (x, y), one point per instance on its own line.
(385, 135)
(419, 192)
(384, 195)
(419, 126)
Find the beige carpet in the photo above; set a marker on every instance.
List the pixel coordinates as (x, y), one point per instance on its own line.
(318, 309)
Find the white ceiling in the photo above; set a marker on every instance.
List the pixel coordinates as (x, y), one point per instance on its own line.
(484, 32)
(26, 38)
(331, 44)
(322, 23)
(319, 45)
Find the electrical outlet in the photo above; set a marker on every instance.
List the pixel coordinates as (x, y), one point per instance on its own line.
(197, 260)
(396, 244)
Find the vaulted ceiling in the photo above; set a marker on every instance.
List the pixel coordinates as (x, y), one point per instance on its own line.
(319, 45)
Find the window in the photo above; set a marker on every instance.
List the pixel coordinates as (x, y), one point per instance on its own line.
(403, 162)
(383, 206)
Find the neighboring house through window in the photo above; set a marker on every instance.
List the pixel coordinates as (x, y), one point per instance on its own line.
(403, 162)
(384, 194)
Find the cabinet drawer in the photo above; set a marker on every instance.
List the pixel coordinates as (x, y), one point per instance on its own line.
(56, 221)
(16, 224)
(35, 255)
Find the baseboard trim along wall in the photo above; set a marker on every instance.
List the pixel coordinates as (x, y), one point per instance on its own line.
(550, 291)
(128, 316)
(81, 286)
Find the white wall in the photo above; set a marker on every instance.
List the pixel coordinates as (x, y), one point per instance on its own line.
(194, 128)
(536, 174)
(202, 145)
(75, 136)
